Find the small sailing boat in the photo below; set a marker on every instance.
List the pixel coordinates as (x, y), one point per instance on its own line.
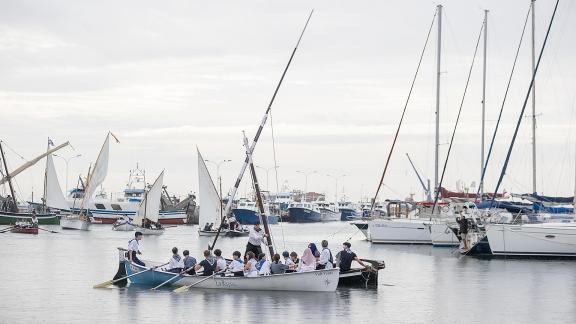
(82, 221)
(210, 214)
(146, 218)
(10, 212)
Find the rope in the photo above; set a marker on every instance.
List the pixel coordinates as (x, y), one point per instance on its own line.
(276, 175)
(481, 185)
(403, 113)
(457, 120)
(505, 166)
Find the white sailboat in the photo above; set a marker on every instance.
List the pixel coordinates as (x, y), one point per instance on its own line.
(210, 203)
(53, 196)
(150, 208)
(95, 178)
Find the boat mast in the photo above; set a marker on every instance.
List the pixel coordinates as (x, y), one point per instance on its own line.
(438, 52)
(481, 185)
(259, 201)
(45, 178)
(9, 178)
(533, 99)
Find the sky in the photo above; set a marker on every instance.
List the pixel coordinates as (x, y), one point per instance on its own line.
(167, 77)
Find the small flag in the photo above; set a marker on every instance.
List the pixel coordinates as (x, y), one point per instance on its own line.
(116, 138)
(50, 142)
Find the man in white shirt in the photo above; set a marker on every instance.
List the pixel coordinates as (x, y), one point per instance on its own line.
(287, 260)
(176, 263)
(220, 261)
(255, 238)
(134, 249)
(326, 260)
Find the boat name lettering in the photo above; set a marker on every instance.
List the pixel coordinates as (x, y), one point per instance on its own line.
(226, 284)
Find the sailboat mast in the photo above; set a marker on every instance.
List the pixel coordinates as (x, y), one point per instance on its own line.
(438, 56)
(533, 99)
(481, 185)
(259, 201)
(45, 178)
(15, 206)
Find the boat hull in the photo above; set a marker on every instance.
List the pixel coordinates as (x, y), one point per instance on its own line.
(401, 231)
(236, 233)
(303, 215)
(201, 232)
(442, 235)
(24, 230)
(8, 218)
(544, 240)
(347, 214)
(74, 223)
(124, 227)
(164, 217)
(362, 227)
(317, 281)
(149, 231)
(327, 215)
(250, 217)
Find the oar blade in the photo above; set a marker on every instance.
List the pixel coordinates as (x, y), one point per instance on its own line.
(181, 289)
(104, 284)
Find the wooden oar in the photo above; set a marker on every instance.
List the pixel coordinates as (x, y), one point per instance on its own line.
(167, 281)
(6, 229)
(40, 228)
(185, 288)
(109, 282)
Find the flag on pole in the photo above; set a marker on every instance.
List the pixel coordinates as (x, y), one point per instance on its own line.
(50, 143)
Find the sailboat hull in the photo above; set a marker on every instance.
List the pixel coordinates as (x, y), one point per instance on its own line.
(124, 227)
(74, 223)
(149, 231)
(442, 235)
(402, 231)
(8, 218)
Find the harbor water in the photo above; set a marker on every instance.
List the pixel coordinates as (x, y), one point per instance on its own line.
(48, 278)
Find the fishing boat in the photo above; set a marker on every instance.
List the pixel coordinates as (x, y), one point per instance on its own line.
(210, 202)
(82, 221)
(328, 211)
(304, 212)
(147, 213)
(246, 213)
(10, 213)
(348, 211)
(24, 227)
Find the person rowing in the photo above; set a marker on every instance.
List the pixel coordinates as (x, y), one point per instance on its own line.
(208, 265)
(346, 256)
(176, 264)
(134, 249)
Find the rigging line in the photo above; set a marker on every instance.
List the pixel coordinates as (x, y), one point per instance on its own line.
(457, 120)
(276, 176)
(14, 151)
(403, 113)
(505, 166)
(503, 103)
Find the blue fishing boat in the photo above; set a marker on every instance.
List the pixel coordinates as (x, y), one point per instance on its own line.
(247, 213)
(347, 211)
(304, 213)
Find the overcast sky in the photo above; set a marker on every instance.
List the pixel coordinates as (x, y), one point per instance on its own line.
(167, 76)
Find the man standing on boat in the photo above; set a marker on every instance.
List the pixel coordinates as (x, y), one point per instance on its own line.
(463, 222)
(133, 249)
(326, 260)
(255, 238)
(34, 219)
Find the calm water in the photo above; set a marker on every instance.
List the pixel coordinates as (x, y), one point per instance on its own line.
(48, 278)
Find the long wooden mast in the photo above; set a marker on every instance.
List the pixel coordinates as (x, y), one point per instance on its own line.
(9, 178)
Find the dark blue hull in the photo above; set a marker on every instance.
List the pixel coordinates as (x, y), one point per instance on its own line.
(482, 248)
(347, 214)
(250, 217)
(303, 215)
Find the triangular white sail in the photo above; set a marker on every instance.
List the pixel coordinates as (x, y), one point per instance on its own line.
(99, 171)
(53, 193)
(150, 206)
(208, 196)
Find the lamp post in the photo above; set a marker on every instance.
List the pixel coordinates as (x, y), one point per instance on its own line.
(267, 170)
(336, 190)
(218, 164)
(67, 161)
(306, 174)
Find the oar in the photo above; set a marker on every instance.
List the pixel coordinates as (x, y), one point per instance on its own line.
(167, 281)
(40, 228)
(185, 288)
(6, 229)
(109, 282)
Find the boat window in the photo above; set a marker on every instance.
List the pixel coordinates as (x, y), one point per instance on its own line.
(242, 204)
(100, 206)
(116, 207)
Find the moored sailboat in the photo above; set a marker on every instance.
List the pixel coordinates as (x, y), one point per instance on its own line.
(146, 218)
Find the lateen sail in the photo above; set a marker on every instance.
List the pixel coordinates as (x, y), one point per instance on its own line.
(99, 172)
(53, 194)
(150, 205)
(31, 163)
(208, 195)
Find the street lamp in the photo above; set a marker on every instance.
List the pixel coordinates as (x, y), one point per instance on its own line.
(267, 170)
(218, 164)
(67, 160)
(336, 191)
(306, 174)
